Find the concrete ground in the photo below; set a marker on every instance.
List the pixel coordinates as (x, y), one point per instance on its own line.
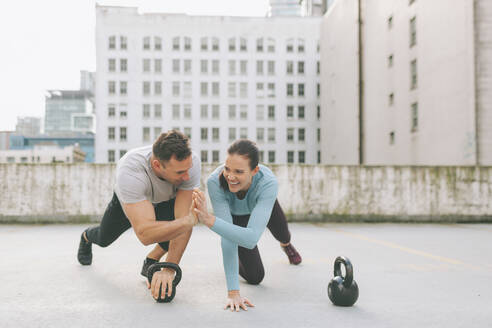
(408, 275)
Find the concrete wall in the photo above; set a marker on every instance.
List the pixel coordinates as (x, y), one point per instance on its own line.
(80, 192)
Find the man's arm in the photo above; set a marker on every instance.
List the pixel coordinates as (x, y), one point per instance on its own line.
(178, 245)
(148, 230)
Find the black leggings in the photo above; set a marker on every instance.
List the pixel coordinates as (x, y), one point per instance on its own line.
(250, 265)
(115, 222)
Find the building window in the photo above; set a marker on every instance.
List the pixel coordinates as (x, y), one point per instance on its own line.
(111, 110)
(146, 111)
(112, 42)
(122, 133)
(176, 43)
(175, 66)
(232, 112)
(203, 89)
(146, 134)
(271, 134)
(122, 153)
(111, 65)
(300, 45)
(290, 111)
(215, 156)
(215, 89)
(260, 134)
(111, 133)
(215, 44)
(203, 111)
(111, 155)
(111, 87)
(215, 134)
(319, 157)
(259, 45)
(215, 112)
(232, 134)
(260, 112)
(123, 112)
(231, 89)
(243, 133)
(391, 99)
(259, 67)
(318, 112)
(390, 60)
(187, 132)
(413, 72)
(146, 43)
(123, 65)
(290, 45)
(262, 156)
(204, 66)
(300, 67)
(215, 67)
(146, 65)
(232, 44)
(290, 157)
(123, 87)
(243, 46)
(243, 89)
(290, 89)
(300, 112)
(157, 110)
(413, 31)
(271, 112)
(271, 90)
(290, 67)
(204, 44)
(187, 90)
(232, 67)
(157, 43)
(271, 45)
(318, 90)
(415, 117)
(301, 155)
(392, 138)
(175, 90)
(390, 22)
(123, 43)
(157, 87)
(271, 156)
(318, 68)
(204, 156)
(204, 134)
(186, 66)
(175, 111)
(243, 112)
(243, 66)
(290, 134)
(319, 135)
(271, 67)
(300, 89)
(157, 65)
(187, 111)
(187, 43)
(301, 134)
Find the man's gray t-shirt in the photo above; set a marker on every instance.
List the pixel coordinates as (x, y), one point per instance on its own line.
(136, 181)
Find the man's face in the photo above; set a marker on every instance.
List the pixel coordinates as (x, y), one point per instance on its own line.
(174, 171)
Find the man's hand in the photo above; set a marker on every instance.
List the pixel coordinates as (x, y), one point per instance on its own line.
(235, 301)
(201, 210)
(162, 278)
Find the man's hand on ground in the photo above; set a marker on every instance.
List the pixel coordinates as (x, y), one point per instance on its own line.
(162, 278)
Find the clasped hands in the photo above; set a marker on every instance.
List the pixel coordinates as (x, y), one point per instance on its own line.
(199, 210)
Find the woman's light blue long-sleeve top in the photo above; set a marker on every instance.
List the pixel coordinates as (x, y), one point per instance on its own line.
(258, 203)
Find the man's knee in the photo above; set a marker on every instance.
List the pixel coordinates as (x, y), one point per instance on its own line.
(256, 278)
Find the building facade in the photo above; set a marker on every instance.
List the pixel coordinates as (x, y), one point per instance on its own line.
(43, 154)
(28, 125)
(216, 79)
(408, 86)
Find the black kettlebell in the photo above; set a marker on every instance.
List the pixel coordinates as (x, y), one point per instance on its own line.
(177, 278)
(343, 291)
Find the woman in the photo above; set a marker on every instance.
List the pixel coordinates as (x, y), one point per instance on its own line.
(244, 199)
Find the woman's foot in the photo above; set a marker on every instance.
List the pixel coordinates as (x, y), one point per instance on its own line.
(293, 255)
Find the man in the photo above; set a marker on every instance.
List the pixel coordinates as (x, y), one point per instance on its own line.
(154, 185)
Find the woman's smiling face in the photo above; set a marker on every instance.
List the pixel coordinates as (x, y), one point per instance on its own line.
(237, 172)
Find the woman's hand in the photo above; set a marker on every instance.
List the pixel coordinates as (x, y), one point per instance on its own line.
(235, 301)
(201, 210)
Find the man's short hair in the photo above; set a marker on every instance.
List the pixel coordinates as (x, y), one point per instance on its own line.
(171, 143)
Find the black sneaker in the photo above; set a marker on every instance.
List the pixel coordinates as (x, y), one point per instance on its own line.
(84, 254)
(147, 263)
(294, 257)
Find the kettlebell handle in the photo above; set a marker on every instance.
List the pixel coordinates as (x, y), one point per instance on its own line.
(349, 271)
(158, 266)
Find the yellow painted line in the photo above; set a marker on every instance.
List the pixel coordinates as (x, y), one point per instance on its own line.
(403, 248)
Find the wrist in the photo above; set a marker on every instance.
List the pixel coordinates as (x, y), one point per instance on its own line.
(232, 293)
(210, 220)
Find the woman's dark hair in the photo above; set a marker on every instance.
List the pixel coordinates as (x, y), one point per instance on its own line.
(243, 147)
(171, 143)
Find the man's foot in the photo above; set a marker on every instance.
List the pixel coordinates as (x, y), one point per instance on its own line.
(84, 254)
(147, 263)
(292, 254)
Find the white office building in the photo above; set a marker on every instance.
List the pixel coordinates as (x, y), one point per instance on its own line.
(43, 154)
(410, 86)
(216, 79)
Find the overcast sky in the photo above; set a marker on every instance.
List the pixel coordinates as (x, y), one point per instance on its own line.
(45, 44)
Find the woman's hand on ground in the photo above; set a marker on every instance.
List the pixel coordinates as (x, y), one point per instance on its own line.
(235, 301)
